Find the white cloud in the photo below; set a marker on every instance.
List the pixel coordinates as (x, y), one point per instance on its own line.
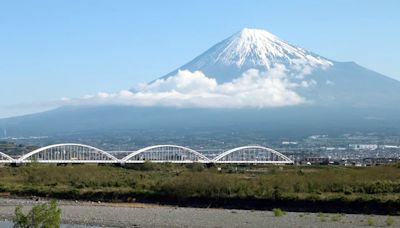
(194, 89)
(307, 84)
(183, 82)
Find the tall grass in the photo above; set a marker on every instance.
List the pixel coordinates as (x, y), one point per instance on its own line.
(375, 184)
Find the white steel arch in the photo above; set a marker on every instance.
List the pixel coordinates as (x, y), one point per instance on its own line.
(68, 153)
(4, 158)
(252, 155)
(166, 153)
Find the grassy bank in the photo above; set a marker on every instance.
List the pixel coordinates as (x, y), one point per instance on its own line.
(329, 189)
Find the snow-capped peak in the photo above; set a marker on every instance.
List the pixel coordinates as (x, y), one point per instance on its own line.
(261, 48)
(253, 49)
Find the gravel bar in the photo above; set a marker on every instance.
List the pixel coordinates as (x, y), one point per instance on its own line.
(149, 215)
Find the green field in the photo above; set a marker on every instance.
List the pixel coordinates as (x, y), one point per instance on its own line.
(298, 188)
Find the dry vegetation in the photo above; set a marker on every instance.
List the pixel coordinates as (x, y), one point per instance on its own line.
(367, 189)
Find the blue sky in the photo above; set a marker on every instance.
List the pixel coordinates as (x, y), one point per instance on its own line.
(54, 49)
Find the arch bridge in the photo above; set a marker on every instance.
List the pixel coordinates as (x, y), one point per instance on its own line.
(68, 153)
(80, 153)
(252, 155)
(166, 153)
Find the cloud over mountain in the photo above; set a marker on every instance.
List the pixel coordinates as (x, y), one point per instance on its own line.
(194, 89)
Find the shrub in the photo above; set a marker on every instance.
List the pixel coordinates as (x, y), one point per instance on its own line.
(273, 170)
(370, 221)
(297, 187)
(42, 215)
(300, 172)
(322, 217)
(149, 166)
(381, 187)
(347, 190)
(277, 192)
(196, 167)
(389, 221)
(2, 188)
(337, 217)
(278, 212)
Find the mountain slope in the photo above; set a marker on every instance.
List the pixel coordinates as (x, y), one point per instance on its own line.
(351, 85)
(252, 48)
(118, 121)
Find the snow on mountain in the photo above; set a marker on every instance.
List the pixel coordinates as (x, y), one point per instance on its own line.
(253, 49)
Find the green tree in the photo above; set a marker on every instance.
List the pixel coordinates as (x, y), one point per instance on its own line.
(46, 215)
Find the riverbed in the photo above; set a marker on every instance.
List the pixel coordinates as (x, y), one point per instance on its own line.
(99, 214)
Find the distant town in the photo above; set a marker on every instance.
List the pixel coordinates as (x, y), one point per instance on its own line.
(347, 149)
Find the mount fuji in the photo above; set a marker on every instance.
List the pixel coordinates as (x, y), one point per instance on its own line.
(324, 82)
(253, 81)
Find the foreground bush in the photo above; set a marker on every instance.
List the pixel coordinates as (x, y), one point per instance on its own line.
(46, 215)
(278, 212)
